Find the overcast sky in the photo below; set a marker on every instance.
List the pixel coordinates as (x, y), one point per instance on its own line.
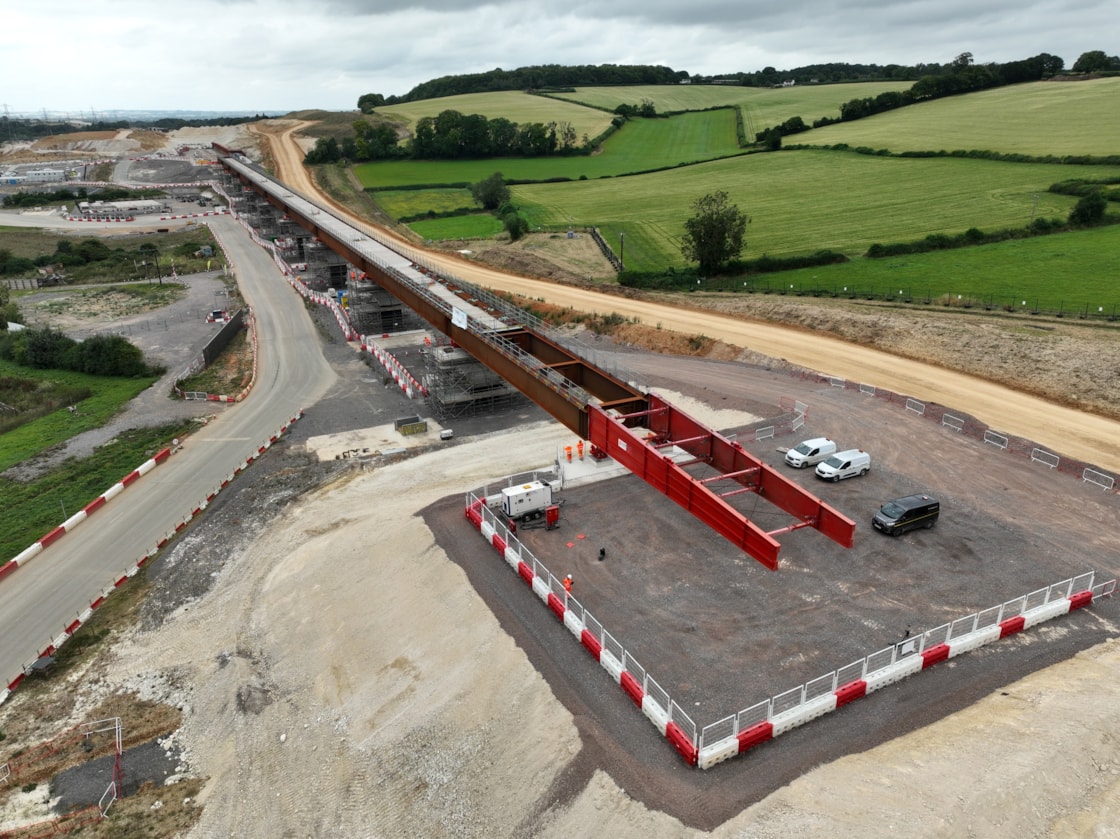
(71, 56)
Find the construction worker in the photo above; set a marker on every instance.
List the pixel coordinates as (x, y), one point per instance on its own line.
(568, 584)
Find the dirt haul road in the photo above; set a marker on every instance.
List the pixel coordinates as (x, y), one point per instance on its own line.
(1067, 431)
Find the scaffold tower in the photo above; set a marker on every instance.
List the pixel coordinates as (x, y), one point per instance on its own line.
(459, 386)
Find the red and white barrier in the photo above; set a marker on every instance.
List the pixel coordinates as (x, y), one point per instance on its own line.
(757, 725)
(404, 379)
(86, 614)
(35, 549)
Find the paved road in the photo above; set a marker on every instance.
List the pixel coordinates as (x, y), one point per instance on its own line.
(48, 593)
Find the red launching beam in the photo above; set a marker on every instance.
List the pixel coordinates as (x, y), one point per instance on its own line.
(670, 425)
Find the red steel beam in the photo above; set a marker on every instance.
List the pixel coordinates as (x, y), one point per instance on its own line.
(666, 423)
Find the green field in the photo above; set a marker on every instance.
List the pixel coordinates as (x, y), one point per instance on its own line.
(407, 203)
(1073, 273)
(109, 395)
(33, 509)
(762, 106)
(803, 201)
(516, 106)
(477, 226)
(1039, 118)
(639, 146)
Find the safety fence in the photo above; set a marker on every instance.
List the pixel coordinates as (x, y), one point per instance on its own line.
(399, 373)
(47, 759)
(968, 426)
(765, 720)
(739, 732)
(133, 570)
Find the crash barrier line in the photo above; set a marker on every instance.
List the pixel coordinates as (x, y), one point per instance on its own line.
(67, 526)
(740, 732)
(975, 429)
(667, 716)
(133, 570)
(737, 733)
(343, 319)
(392, 365)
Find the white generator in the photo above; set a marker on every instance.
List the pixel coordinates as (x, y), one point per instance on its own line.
(527, 501)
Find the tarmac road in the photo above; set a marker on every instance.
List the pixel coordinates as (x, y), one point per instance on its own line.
(41, 598)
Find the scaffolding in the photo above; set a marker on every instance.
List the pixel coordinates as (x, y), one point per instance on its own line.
(460, 386)
(374, 311)
(326, 269)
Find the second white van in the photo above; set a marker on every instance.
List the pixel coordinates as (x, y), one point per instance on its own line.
(810, 452)
(845, 464)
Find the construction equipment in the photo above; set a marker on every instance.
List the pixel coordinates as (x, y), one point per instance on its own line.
(526, 502)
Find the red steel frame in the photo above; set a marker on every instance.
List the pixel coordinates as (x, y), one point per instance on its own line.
(630, 408)
(671, 426)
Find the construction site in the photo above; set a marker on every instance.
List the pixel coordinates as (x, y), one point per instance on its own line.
(733, 482)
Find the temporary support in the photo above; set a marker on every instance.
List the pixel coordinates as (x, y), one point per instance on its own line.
(669, 425)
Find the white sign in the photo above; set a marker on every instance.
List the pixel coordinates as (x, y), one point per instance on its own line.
(458, 318)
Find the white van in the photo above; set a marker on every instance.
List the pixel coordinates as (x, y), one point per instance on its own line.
(810, 452)
(844, 465)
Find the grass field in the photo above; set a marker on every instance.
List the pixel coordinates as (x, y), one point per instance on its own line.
(762, 106)
(1073, 273)
(641, 145)
(31, 510)
(516, 106)
(109, 394)
(803, 201)
(476, 226)
(1039, 118)
(405, 203)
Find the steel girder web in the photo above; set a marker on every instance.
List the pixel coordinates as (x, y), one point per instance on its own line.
(669, 426)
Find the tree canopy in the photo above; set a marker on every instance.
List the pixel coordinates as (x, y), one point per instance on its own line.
(492, 192)
(714, 235)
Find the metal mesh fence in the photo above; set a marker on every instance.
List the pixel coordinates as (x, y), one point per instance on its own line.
(657, 693)
(788, 701)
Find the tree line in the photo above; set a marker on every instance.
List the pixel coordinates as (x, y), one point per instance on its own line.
(540, 77)
(962, 75)
(98, 355)
(92, 259)
(450, 135)
(559, 77)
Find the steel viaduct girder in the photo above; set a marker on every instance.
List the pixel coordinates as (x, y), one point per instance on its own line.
(602, 409)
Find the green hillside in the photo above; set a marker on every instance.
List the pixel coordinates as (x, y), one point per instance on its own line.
(762, 106)
(640, 145)
(1039, 118)
(804, 201)
(515, 106)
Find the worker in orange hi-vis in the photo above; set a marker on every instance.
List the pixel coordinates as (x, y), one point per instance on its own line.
(568, 584)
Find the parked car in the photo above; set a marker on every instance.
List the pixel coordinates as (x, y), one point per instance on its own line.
(844, 464)
(810, 452)
(907, 513)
